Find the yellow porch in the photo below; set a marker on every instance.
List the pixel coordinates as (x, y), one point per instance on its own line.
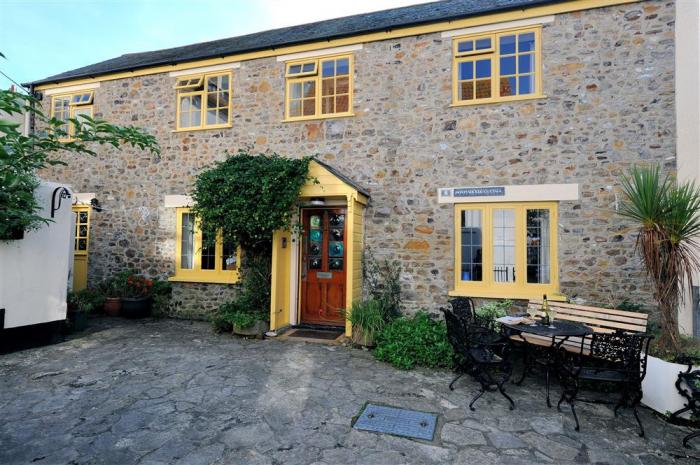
(334, 189)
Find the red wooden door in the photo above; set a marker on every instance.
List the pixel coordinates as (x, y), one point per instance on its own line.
(323, 266)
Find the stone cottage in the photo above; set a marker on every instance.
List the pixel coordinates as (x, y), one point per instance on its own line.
(480, 144)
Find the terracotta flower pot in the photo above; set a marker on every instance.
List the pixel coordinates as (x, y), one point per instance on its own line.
(112, 306)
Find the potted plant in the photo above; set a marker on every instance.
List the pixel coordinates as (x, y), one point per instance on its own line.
(80, 304)
(667, 215)
(113, 290)
(367, 319)
(236, 316)
(136, 300)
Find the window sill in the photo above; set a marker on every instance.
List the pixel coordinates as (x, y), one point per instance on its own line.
(206, 279)
(488, 101)
(315, 117)
(507, 294)
(207, 128)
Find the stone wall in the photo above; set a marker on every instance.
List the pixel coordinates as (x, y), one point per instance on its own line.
(609, 81)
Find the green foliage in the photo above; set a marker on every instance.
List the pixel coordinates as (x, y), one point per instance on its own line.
(494, 309)
(382, 280)
(407, 342)
(629, 306)
(85, 300)
(253, 301)
(368, 316)
(668, 226)
(234, 313)
(21, 156)
(162, 292)
(247, 197)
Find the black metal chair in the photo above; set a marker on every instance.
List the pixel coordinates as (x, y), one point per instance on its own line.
(478, 355)
(463, 307)
(688, 385)
(615, 358)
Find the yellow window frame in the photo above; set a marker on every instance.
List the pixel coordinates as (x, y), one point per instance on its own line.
(494, 55)
(301, 64)
(183, 91)
(73, 108)
(318, 78)
(196, 273)
(520, 289)
(78, 209)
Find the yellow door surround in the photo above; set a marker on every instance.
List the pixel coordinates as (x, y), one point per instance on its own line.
(81, 246)
(325, 183)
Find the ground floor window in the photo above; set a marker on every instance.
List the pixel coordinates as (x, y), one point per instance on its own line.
(199, 259)
(506, 250)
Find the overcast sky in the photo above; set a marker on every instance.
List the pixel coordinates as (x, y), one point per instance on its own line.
(40, 38)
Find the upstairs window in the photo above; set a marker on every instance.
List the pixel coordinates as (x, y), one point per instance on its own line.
(204, 101)
(65, 107)
(497, 67)
(319, 88)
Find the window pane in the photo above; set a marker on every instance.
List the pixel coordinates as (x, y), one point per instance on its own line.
(294, 69)
(309, 107)
(526, 42)
(483, 88)
(196, 119)
(507, 86)
(208, 253)
(342, 104)
(507, 66)
(342, 85)
(465, 46)
(483, 44)
(328, 105)
(342, 66)
(222, 116)
(308, 67)
(295, 90)
(526, 84)
(466, 90)
(309, 89)
(526, 63)
(507, 45)
(229, 258)
(538, 246)
(328, 86)
(328, 68)
(483, 69)
(187, 242)
(466, 70)
(295, 108)
(504, 245)
(211, 117)
(471, 259)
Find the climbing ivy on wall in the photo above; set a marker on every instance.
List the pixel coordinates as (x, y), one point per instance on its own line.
(249, 196)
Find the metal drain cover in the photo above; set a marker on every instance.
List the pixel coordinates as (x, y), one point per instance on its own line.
(397, 421)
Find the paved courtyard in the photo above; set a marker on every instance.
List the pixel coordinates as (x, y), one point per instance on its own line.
(172, 392)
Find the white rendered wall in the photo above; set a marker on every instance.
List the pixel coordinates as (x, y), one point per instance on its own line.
(688, 111)
(34, 270)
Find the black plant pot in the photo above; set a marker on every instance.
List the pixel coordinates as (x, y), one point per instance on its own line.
(136, 307)
(15, 234)
(79, 320)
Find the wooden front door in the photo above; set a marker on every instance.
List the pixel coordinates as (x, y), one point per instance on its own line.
(81, 246)
(323, 266)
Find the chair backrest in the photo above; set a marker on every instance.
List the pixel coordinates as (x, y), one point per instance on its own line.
(625, 350)
(463, 307)
(456, 333)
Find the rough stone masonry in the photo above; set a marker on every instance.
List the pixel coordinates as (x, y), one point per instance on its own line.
(608, 76)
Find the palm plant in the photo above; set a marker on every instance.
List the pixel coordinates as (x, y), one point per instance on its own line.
(669, 224)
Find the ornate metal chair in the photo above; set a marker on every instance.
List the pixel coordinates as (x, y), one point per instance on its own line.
(616, 358)
(688, 385)
(463, 307)
(478, 355)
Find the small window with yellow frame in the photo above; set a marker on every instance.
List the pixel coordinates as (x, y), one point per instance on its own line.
(65, 107)
(197, 259)
(497, 67)
(319, 88)
(203, 101)
(506, 250)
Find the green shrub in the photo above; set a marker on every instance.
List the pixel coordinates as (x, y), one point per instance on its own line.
(368, 316)
(85, 300)
(493, 310)
(382, 280)
(234, 313)
(407, 342)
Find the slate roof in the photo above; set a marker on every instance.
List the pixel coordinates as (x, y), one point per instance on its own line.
(322, 30)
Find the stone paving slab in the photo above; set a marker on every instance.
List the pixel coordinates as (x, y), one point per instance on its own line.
(159, 392)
